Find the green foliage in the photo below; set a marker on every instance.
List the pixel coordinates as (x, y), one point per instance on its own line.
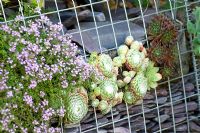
(152, 75)
(144, 3)
(194, 29)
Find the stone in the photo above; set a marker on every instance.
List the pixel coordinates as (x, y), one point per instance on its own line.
(89, 43)
(177, 98)
(189, 87)
(181, 108)
(110, 115)
(121, 107)
(49, 4)
(150, 125)
(71, 130)
(138, 125)
(102, 131)
(119, 130)
(148, 97)
(148, 101)
(99, 17)
(139, 118)
(189, 94)
(87, 15)
(155, 128)
(102, 121)
(121, 123)
(150, 115)
(174, 90)
(181, 128)
(166, 124)
(117, 117)
(106, 35)
(176, 86)
(177, 103)
(176, 94)
(89, 120)
(179, 119)
(119, 14)
(86, 126)
(190, 105)
(70, 125)
(152, 105)
(162, 100)
(162, 92)
(194, 118)
(179, 115)
(194, 126)
(163, 118)
(136, 109)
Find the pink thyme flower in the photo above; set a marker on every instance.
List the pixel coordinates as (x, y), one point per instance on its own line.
(33, 84)
(61, 111)
(42, 94)
(47, 114)
(9, 94)
(28, 99)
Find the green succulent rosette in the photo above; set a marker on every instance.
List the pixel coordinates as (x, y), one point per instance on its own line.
(103, 63)
(152, 75)
(129, 97)
(134, 59)
(139, 85)
(108, 89)
(76, 105)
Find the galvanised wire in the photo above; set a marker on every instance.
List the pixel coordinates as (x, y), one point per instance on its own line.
(181, 67)
(195, 64)
(172, 9)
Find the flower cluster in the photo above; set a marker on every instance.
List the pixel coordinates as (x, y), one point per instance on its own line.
(37, 66)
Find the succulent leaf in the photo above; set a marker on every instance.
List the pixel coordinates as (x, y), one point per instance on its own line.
(103, 105)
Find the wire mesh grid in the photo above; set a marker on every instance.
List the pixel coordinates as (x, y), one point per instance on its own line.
(136, 118)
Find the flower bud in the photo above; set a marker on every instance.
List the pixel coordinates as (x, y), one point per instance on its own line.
(127, 80)
(95, 103)
(117, 61)
(136, 45)
(120, 83)
(129, 40)
(125, 73)
(122, 50)
(103, 105)
(97, 91)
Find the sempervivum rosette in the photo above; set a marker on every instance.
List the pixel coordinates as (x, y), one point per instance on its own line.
(137, 73)
(139, 85)
(103, 64)
(105, 95)
(76, 105)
